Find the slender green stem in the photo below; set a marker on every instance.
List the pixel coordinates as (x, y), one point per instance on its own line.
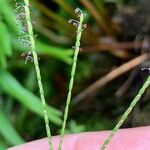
(77, 47)
(127, 112)
(37, 69)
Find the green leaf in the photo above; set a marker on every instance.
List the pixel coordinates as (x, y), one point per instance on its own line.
(5, 39)
(8, 15)
(60, 53)
(2, 59)
(3, 146)
(12, 87)
(8, 131)
(57, 52)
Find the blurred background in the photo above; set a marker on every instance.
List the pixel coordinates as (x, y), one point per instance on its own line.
(114, 49)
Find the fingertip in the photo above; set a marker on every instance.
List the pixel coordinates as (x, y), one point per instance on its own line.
(124, 139)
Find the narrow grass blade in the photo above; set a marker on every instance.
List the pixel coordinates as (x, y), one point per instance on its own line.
(5, 40)
(8, 131)
(12, 87)
(3, 145)
(59, 53)
(3, 62)
(46, 49)
(8, 15)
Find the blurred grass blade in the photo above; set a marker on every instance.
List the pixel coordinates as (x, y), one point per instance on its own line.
(3, 46)
(5, 40)
(12, 87)
(53, 15)
(57, 52)
(2, 58)
(3, 145)
(98, 17)
(8, 15)
(101, 7)
(66, 6)
(43, 48)
(8, 131)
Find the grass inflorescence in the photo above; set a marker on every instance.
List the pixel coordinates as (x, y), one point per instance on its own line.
(79, 25)
(126, 113)
(27, 38)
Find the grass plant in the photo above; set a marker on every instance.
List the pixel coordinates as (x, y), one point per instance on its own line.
(80, 28)
(37, 69)
(79, 25)
(126, 113)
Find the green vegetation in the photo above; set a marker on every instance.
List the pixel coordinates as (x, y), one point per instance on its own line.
(127, 112)
(80, 27)
(108, 75)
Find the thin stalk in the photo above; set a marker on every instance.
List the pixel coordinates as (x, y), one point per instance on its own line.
(127, 112)
(37, 69)
(77, 47)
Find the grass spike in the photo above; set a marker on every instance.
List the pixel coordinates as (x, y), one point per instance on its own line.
(77, 48)
(126, 113)
(37, 69)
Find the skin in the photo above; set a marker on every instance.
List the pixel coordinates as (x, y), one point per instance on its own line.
(125, 139)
